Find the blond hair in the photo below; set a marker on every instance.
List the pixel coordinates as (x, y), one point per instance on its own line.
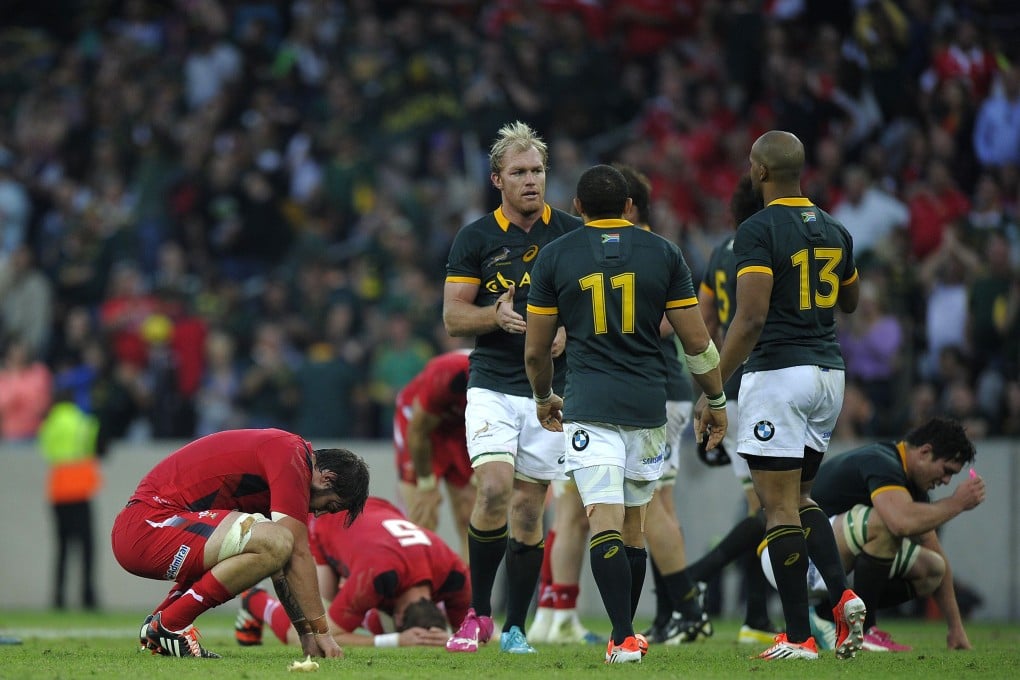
(515, 136)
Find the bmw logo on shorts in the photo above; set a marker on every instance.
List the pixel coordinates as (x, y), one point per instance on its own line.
(580, 440)
(764, 430)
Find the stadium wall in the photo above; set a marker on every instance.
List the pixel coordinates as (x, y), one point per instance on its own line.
(983, 545)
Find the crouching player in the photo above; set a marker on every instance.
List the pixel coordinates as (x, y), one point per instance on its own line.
(876, 497)
(226, 511)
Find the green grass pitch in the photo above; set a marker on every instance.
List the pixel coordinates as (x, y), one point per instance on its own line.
(80, 645)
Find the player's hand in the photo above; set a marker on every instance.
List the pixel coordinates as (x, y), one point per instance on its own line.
(327, 646)
(424, 637)
(550, 414)
(957, 639)
(424, 508)
(506, 318)
(709, 422)
(971, 491)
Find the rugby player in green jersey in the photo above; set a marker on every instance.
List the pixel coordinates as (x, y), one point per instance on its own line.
(609, 285)
(795, 266)
(876, 497)
(717, 298)
(513, 457)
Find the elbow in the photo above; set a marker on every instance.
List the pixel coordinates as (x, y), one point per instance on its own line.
(453, 329)
(899, 529)
(755, 323)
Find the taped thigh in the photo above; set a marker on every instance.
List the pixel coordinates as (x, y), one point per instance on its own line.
(239, 534)
(600, 484)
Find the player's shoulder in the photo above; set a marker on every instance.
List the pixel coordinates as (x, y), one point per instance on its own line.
(481, 225)
(875, 454)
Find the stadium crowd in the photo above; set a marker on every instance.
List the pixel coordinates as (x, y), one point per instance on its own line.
(237, 213)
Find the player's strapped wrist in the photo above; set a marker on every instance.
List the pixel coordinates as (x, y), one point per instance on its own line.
(319, 625)
(387, 640)
(718, 402)
(705, 361)
(427, 483)
(540, 400)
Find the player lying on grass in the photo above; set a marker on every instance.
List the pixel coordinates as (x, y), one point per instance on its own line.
(383, 573)
(876, 497)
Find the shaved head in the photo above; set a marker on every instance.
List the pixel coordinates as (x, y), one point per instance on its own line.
(777, 159)
(781, 153)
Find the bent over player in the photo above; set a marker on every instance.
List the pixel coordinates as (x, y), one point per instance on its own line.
(430, 443)
(383, 573)
(224, 512)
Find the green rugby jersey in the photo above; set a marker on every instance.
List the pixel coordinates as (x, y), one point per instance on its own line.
(857, 476)
(492, 253)
(720, 280)
(809, 255)
(610, 284)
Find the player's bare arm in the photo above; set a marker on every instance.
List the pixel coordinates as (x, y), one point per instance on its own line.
(300, 596)
(423, 508)
(945, 597)
(704, 367)
(463, 318)
(905, 517)
(538, 363)
(754, 292)
(849, 294)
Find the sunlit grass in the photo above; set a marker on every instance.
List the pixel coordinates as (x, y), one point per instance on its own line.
(78, 645)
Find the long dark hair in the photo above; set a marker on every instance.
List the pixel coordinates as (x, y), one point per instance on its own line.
(351, 482)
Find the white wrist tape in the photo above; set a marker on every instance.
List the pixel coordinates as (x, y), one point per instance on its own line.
(387, 640)
(704, 362)
(426, 483)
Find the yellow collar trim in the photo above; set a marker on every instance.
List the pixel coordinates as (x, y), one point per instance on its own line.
(901, 448)
(504, 223)
(793, 202)
(609, 224)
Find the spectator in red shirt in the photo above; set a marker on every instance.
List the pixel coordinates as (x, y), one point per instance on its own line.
(934, 205)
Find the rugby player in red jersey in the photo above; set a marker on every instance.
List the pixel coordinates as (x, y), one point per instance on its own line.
(224, 512)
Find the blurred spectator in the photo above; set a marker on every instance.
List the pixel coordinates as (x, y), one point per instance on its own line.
(25, 392)
(997, 130)
(961, 56)
(26, 301)
(127, 305)
(935, 203)
(328, 388)
(398, 357)
(987, 307)
(868, 212)
(212, 66)
(960, 402)
(269, 389)
(15, 206)
(217, 399)
(881, 32)
(171, 413)
(871, 340)
(946, 276)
